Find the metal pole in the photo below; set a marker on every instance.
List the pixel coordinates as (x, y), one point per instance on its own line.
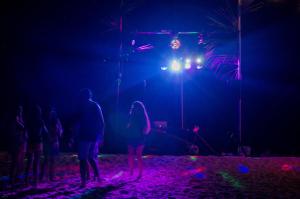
(181, 101)
(119, 79)
(120, 63)
(240, 69)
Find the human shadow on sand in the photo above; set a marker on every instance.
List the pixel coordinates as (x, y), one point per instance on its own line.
(31, 192)
(100, 192)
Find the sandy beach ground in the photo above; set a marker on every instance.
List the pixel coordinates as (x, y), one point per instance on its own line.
(169, 177)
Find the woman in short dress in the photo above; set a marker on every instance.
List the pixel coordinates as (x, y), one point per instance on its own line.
(138, 127)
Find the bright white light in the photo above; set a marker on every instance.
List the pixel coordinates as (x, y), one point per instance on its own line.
(199, 67)
(198, 60)
(187, 64)
(176, 66)
(164, 68)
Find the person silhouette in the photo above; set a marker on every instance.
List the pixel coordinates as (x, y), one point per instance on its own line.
(138, 127)
(91, 132)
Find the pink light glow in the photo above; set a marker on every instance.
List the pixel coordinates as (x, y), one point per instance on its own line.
(286, 167)
(194, 171)
(145, 47)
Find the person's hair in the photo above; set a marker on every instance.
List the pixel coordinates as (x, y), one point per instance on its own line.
(19, 110)
(52, 117)
(85, 94)
(139, 113)
(37, 112)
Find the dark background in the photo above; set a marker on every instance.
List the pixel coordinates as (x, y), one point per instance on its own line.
(52, 49)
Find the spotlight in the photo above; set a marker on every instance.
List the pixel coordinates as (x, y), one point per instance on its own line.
(133, 42)
(187, 64)
(199, 67)
(198, 60)
(200, 39)
(175, 44)
(164, 68)
(176, 66)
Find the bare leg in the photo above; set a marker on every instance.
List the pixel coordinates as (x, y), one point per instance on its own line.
(36, 165)
(93, 159)
(83, 172)
(28, 165)
(88, 173)
(131, 159)
(139, 152)
(44, 167)
(95, 168)
(13, 168)
(21, 161)
(52, 168)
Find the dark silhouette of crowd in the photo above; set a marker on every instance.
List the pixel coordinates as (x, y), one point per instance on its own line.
(36, 136)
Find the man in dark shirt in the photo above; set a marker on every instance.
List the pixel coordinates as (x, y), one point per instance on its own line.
(91, 132)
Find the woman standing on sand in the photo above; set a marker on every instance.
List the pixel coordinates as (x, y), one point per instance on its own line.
(18, 141)
(36, 131)
(138, 126)
(51, 145)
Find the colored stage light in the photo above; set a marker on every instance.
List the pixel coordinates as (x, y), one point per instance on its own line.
(176, 66)
(198, 60)
(200, 39)
(199, 67)
(175, 44)
(187, 64)
(164, 68)
(133, 42)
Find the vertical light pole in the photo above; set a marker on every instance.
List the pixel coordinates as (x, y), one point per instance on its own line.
(181, 101)
(119, 78)
(239, 72)
(120, 63)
